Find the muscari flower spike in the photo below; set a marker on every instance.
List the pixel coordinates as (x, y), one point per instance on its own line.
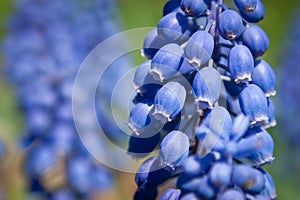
(214, 102)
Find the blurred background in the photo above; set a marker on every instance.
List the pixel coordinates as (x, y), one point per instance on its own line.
(282, 24)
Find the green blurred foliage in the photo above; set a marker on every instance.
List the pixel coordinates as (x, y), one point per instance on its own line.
(10, 116)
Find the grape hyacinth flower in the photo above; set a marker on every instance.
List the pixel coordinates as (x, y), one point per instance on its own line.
(214, 118)
(51, 40)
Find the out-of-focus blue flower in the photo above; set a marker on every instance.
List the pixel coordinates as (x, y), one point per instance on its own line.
(50, 40)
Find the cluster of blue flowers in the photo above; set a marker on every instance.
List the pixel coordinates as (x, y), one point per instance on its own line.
(43, 50)
(203, 104)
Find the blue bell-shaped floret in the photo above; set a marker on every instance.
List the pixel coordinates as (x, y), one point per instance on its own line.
(140, 117)
(220, 175)
(248, 179)
(144, 83)
(167, 61)
(152, 43)
(173, 27)
(241, 64)
(256, 40)
(270, 189)
(264, 76)
(257, 147)
(246, 5)
(230, 24)
(254, 104)
(207, 87)
(169, 101)
(199, 48)
(215, 128)
(193, 7)
(255, 15)
(174, 149)
(142, 75)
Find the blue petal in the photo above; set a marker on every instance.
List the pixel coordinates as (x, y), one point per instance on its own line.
(257, 147)
(166, 62)
(241, 63)
(233, 105)
(170, 194)
(169, 101)
(193, 7)
(152, 44)
(255, 15)
(246, 5)
(264, 76)
(254, 104)
(142, 75)
(249, 179)
(195, 166)
(140, 117)
(230, 24)
(232, 194)
(199, 48)
(270, 190)
(271, 114)
(174, 149)
(218, 125)
(205, 189)
(173, 27)
(256, 40)
(207, 87)
(240, 126)
(220, 174)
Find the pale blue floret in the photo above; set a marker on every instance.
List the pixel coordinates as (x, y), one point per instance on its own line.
(199, 48)
(264, 76)
(241, 64)
(169, 101)
(174, 149)
(207, 87)
(256, 39)
(254, 104)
